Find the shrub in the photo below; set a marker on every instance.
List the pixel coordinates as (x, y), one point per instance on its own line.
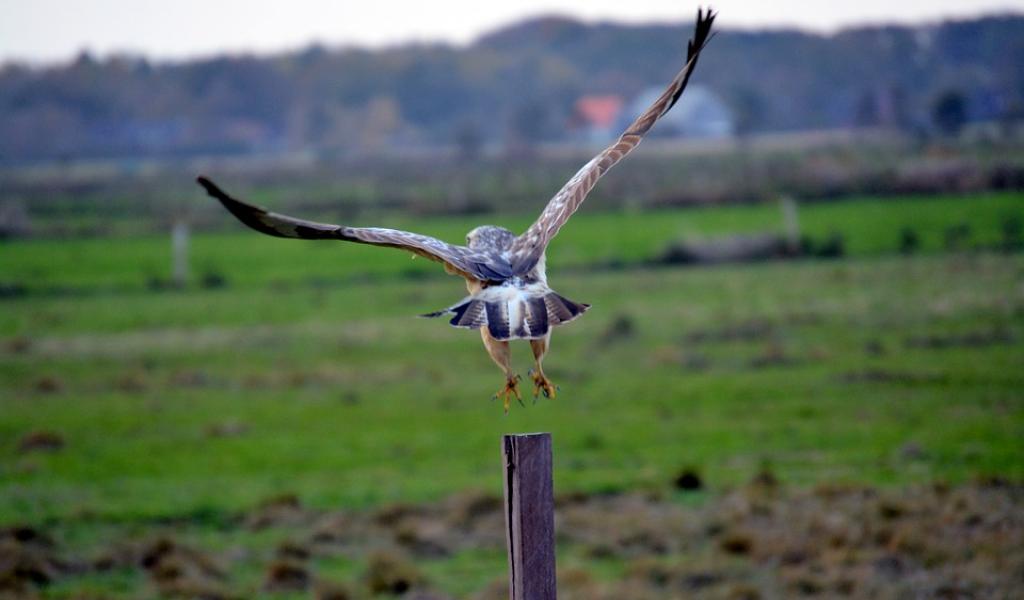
(1013, 233)
(909, 241)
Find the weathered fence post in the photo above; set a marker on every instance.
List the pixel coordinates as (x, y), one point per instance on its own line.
(791, 223)
(529, 516)
(179, 252)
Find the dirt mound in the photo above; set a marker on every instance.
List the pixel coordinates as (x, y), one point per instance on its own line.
(41, 441)
(761, 540)
(280, 511)
(181, 571)
(28, 560)
(391, 573)
(285, 575)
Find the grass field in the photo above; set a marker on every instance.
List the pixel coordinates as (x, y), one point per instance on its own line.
(306, 374)
(870, 227)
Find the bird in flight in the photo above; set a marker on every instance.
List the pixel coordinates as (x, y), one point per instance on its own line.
(509, 297)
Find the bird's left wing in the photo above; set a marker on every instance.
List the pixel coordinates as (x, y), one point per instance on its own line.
(458, 259)
(528, 247)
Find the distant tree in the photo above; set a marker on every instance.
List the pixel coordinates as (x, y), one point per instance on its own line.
(527, 127)
(380, 119)
(1011, 117)
(750, 112)
(85, 58)
(900, 113)
(468, 139)
(750, 109)
(318, 97)
(867, 112)
(949, 112)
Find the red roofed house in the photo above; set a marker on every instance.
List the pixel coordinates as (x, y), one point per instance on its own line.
(594, 118)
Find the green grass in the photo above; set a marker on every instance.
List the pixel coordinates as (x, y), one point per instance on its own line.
(348, 408)
(870, 227)
(813, 367)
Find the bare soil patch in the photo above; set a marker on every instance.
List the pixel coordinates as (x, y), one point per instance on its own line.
(761, 540)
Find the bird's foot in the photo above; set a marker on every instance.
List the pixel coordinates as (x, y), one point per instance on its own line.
(511, 389)
(542, 384)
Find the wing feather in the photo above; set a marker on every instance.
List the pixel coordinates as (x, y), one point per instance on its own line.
(528, 247)
(459, 259)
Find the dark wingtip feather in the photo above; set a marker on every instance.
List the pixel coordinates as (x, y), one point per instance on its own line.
(701, 32)
(244, 212)
(214, 191)
(701, 36)
(702, 28)
(208, 185)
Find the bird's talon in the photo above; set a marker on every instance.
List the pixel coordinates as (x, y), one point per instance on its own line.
(542, 384)
(506, 393)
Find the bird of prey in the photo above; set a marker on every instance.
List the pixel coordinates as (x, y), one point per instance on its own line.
(509, 297)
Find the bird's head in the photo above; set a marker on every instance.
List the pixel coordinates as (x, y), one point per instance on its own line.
(489, 237)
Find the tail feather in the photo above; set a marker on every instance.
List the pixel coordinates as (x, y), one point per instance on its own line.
(562, 310)
(471, 314)
(498, 320)
(538, 314)
(513, 315)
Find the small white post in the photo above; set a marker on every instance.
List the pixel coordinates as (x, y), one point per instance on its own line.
(179, 252)
(791, 222)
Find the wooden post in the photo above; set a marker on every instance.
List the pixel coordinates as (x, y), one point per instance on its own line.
(179, 252)
(529, 516)
(791, 223)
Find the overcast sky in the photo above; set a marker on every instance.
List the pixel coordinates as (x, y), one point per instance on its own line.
(54, 30)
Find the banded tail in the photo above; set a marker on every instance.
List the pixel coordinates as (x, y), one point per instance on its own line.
(513, 313)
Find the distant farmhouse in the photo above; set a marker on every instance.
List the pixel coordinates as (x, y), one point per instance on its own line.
(595, 118)
(701, 113)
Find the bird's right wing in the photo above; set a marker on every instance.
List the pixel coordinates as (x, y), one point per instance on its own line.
(528, 247)
(458, 259)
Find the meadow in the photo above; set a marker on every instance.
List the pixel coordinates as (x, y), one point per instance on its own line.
(298, 370)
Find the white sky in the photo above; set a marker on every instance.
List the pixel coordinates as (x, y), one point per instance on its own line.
(52, 30)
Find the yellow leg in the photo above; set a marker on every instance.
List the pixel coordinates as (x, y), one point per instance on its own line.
(502, 356)
(540, 382)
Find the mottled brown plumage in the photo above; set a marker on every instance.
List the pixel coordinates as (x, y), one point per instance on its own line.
(505, 274)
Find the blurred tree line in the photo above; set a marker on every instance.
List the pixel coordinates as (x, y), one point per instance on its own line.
(515, 86)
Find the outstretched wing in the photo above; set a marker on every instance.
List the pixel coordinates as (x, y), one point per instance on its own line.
(458, 259)
(528, 247)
